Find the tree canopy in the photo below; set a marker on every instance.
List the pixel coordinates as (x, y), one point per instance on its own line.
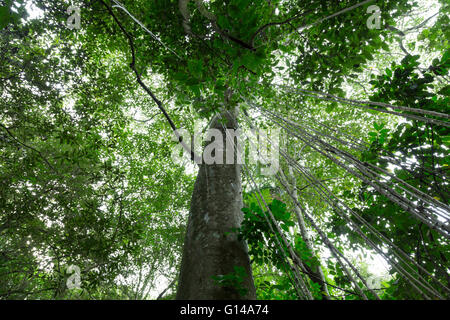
(90, 115)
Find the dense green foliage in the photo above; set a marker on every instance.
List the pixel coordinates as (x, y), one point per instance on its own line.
(86, 175)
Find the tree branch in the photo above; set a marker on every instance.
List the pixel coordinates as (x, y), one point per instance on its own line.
(143, 86)
(279, 23)
(165, 290)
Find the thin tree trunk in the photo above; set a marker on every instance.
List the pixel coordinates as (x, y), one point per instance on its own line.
(316, 271)
(209, 249)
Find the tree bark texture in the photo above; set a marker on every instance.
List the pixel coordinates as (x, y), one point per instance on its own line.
(209, 249)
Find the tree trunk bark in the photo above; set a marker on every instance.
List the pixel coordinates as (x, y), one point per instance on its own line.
(209, 249)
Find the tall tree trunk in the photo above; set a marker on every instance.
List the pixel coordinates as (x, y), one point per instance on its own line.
(209, 249)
